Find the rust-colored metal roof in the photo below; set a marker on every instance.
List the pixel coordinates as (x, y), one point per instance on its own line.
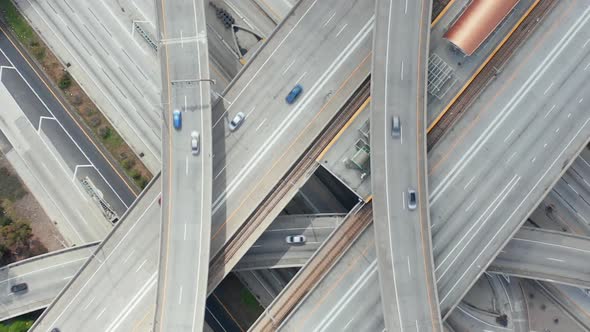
(478, 21)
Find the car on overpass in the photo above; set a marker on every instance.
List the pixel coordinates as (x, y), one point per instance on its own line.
(294, 94)
(177, 119)
(236, 122)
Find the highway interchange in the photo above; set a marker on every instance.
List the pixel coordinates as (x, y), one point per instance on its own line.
(473, 160)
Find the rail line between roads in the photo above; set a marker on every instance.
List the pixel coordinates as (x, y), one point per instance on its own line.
(296, 173)
(488, 70)
(279, 310)
(317, 267)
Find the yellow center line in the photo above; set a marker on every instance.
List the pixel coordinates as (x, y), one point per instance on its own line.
(348, 123)
(480, 68)
(133, 190)
(169, 201)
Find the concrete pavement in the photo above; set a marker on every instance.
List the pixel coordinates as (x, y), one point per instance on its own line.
(45, 275)
(186, 176)
(509, 152)
(398, 166)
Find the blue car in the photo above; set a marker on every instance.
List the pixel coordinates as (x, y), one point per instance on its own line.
(292, 96)
(177, 119)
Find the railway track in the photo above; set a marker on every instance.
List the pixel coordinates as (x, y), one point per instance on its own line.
(316, 268)
(489, 72)
(301, 169)
(314, 271)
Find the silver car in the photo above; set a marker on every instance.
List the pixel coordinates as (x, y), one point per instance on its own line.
(236, 122)
(195, 142)
(295, 239)
(412, 199)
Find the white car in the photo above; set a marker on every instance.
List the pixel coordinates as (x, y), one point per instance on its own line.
(236, 121)
(195, 142)
(294, 239)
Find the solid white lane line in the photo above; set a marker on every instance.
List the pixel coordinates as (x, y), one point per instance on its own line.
(328, 21)
(479, 223)
(507, 110)
(180, 295)
(185, 232)
(402, 71)
(551, 245)
(514, 212)
(586, 43)
(403, 200)
(341, 29)
(217, 320)
(556, 130)
(181, 40)
(409, 267)
(150, 283)
(273, 52)
(141, 265)
(272, 138)
(580, 101)
(406, 7)
(101, 265)
(569, 115)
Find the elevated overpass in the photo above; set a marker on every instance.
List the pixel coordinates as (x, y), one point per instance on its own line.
(45, 276)
(356, 276)
(398, 165)
(186, 186)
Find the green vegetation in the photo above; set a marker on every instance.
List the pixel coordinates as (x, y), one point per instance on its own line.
(17, 22)
(249, 300)
(16, 326)
(10, 187)
(65, 81)
(101, 127)
(16, 236)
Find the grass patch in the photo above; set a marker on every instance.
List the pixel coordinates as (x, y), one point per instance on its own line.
(65, 81)
(10, 186)
(249, 300)
(16, 326)
(17, 22)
